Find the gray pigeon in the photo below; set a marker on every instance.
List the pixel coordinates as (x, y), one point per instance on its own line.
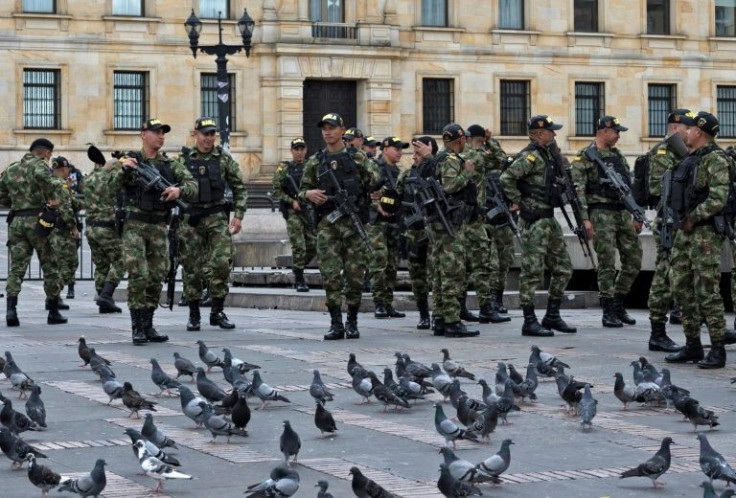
(697, 415)
(709, 492)
(497, 464)
(514, 375)
(648, 392)
(99, 364)
(649, 372)
(190, 405)
(35, 408)
(83, 351)
(241, 365)
(462, 470)
(638, 374)
(502, 376)
(447, 428)
(15, 421)
(208, 357)
(352, 363)
(323, 485)
(134, 402)
(318, 390)
(184, 366)
(153, 467)
(154, 450)
(441, 381)
(92, 484)
(623, 392)
(385, 395)
(415, 369)
(208, 389)
(240, 411)
(362, 384)
(489, 397)
(587, 408)
(712, 463)
(487, 422)
(655, 466)
(529, 384)
(20, 381)
(112, 387)
(364, 487)
(154, 434)
(452, 488)
(323, 420)
(544, 361)
(40, 476)
(289, 443)
(454, 368)
(15, 448)
(161, 378)
(265, 392)
(283, 482)
(217, 425)
(505, 404)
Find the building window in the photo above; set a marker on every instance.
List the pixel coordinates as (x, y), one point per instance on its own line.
(41, 99)
(434, 13)
(586, 16)
(658, 17)
(662, 101)
(127, 8)
(511, 14)
(515, 107)
(726, 108)
(210, 9)
(208, 85)
(438, 104)
(40, 6)
(725, 17)
(590, 104)
(130, 100)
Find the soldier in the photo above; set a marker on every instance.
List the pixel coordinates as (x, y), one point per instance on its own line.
(105, 244)
(701, 191)
(299, 216)
(64, 239)
(608, 222)
(205, 234)
(353, 137)
(532, 185)
(34, 197)
(370, 147)
(338, 245)
(385, 231)
(145, 234)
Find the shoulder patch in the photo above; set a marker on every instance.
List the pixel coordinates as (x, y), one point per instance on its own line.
(577, 158)
(662, 151)
(280, 169)
(64, 185)
(531, 157)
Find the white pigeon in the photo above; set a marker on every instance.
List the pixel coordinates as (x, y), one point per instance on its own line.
(153, 467)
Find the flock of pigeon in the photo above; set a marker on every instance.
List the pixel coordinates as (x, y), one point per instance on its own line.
(227, 413)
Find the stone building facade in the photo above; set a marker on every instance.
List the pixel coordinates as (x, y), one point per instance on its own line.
(82, 71)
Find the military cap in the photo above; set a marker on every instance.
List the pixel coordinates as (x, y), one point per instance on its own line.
(542, 122)
(393, 142)
(610, 122)
(352, 133)
(476, 130)
(681, 116)
(95, 155)
(205, 124)
(155, 125)
(42, 143)
(298, 143)
(427, 140)
(452, 132)
(706, 122)
(332, 118)
(370, 141)
(60, 162)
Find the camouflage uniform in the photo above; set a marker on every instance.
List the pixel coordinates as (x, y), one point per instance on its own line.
(63, 241)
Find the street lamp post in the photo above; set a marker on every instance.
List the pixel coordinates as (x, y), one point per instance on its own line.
(245, 24)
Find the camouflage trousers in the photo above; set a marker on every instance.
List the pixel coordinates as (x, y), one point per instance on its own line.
(106, 247)
(341, 252)
(614, 230)
(660, 292)
(418, 245)
(478, 265)
(146, 259)
(383, 264)
(67, 255)
(542, 246)
(695, 271)
(208, 247)
(500, 256)
(22, 241)
(449, 256)
(302, 239)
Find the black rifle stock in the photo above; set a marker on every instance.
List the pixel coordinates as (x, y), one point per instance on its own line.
(430, 201)
(173, 256)
(148, 177)
(500, 208)
(668, 221)
(307, 210)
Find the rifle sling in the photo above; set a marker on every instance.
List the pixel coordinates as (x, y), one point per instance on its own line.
(607, 206)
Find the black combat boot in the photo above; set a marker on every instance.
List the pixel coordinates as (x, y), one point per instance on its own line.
(55, 318)
(136, 323)
(438, 326)
(351, 324)
(423, 307)
(147, 325)
(60, 305)
(458, 329)
(299, 284)
(206, 300)
(11, 314)
(195, 316)
(675, 315)
(658, 340)
(464, 313)
(182, 301)
(381, 311)
(716, 357)
(217, 316)
(729, 338)
(621, 312)
(610, 317)
(70, 291)
(531, 326)
(392, 313)
(498, 294)
(488, 314)
(552, 319)
(691, 352)
(337, 330)
(104, 300)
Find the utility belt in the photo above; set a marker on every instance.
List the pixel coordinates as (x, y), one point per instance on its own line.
(27, 213)
(531, 216)
(607, 206)
(196, 214)
(146, 218)
(101, 224)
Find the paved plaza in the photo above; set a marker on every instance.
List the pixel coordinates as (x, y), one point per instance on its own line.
(551, 457)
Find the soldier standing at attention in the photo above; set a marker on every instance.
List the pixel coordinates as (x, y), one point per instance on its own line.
(205, 234)
(339, 247)
(609, 224)
(28, 189)
(531, 185)
(370, 147)
(299, 217)
(145, 234)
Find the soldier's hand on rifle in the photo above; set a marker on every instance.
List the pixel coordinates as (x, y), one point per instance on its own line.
(171, 193)
(376, 196)
(129, 162)
(236, 225)
(382, 212)
(687, 225)
(76, 234)
(316, 196)
(589, 229)
(295, 205)
(514, 207)
(637, 226)
(53, 204)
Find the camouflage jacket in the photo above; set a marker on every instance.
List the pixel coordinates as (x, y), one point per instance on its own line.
(68, 205)
(230, 174)
(100, 196)
(529, 166)
(28, 184)
(279, 177)
(714, 174)
(585, 173)
(367, 170)
(661, 158)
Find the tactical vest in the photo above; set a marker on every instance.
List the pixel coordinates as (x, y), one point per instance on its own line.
(347, 175)
(211, 188)
(550, 192)
(604, 189)
(295, 171)
(685, 194)
(467, 195)
(389, 173)
(148, 199)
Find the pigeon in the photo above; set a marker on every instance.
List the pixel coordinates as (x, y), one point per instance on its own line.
(190, 405)
(578, 385)
(649, 372)
(40, 476)
(709, 492)
(489, 397)
(162, 379)
(184, 366)
(514, 375)
(417, 391)
(217, 425)
(384, 394)
(153, 467)
(545, 362)
(496, 464)
(638, 374)
(441, 380)
(415, 369)
(227, 403)
(529, 384)
(91, 484)
(648, 392)
(208, 389)
(241, 383)
(154, 450)
(452, 488)
(623, 392)
(655, 466)
(364, 487)
(154, 434)
(240, 412)
(35, 408)
(289, 443)
(83, 351)
(587, 408)
(462, 470)
(448, 430)
(323, 420)
(486, 423)
(362, 384)
(318, 390)
(569, 393)
(241, 365)
(133, 400)
(352, 363)
(2, 363)
(465, 414)
(453, 368)
(323, 485)
(208, 357)
(283, 482)
(112, 387)
(15, 421)
(697, 415)
(501, 377)
(674, 395)
(712, 463)
(506, 403)
(99, 364)
(15, 448)
(16, 376)
(265, 392)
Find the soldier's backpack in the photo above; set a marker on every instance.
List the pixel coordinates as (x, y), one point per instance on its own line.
(640, 185)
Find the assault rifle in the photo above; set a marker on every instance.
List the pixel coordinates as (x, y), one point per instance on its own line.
(307, 209)
(619, 186)
(149, 178)
(173, 256)
(499, 214)
(668, 221)
(430, 203)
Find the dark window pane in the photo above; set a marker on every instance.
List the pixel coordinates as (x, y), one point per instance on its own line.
(725, 17)
(41, 98)
(511, 14)
(127, 7)
(586, 16)
(434, 13)
(515, 107)
(438, 104)
(662, 101)
(726, 112)
(209, 98)
(658, 17)
(42, 6)
(589, 106)
(209, 9)
(130, 100)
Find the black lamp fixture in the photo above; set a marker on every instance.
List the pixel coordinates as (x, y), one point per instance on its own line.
(194, 26)
(246, 24)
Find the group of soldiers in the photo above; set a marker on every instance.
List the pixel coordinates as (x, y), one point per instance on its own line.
(139, 206)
